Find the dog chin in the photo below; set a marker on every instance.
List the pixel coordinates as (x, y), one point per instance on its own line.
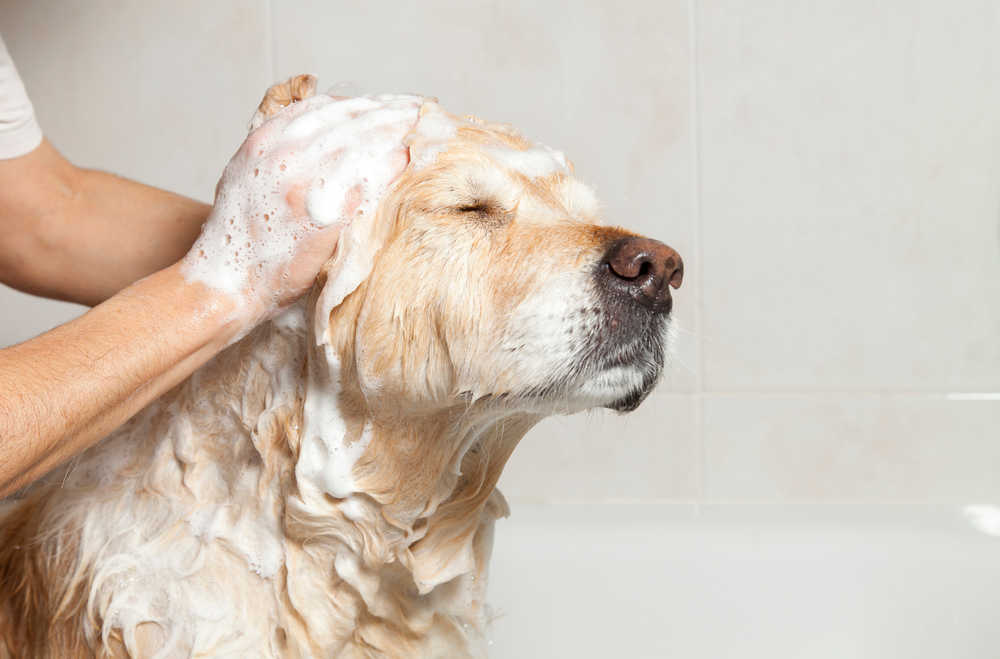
(630, 401)
(628, 367)
(637, 392)
(620, 388)
(627, 381)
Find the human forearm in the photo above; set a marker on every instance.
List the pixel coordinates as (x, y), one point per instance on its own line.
(299, 178)
(131, 230)
(63, 391)
(82, 235)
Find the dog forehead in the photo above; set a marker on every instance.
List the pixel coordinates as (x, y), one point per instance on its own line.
(438, 131)
(466, 156)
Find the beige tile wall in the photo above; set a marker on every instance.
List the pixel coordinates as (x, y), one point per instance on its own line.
(830, 171)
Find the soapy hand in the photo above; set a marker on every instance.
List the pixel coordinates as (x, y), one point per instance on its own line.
(297, 180)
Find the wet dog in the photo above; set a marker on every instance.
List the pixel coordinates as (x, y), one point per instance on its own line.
(326, 486)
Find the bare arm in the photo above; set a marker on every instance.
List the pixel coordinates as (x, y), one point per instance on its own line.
(67, 388)
(280, 206)
(81, 235)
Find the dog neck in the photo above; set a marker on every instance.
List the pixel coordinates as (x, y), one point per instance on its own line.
(394, 505)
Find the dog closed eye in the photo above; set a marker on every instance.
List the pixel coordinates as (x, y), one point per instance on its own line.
(485, 210)
(480, 207)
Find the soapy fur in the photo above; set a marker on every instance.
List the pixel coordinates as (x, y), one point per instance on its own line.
(327, 486)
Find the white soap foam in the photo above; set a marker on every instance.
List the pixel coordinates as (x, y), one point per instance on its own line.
(537, 162)
(310, 123)
(326, 460)
(257, 539)
(579, 199)
(360, 165)
(292, 319)
(353, 508)
(351, 265)
(433, 134)
(324, 153)
(358, 243)
(436, 125)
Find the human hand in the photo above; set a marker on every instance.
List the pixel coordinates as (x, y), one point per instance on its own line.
(298, 179)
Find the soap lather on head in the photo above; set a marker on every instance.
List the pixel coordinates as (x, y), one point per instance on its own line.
(300, 176)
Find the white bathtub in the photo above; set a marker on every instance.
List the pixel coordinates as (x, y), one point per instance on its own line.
(768, 581)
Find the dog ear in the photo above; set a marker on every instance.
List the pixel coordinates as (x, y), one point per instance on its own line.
(351, 263)
(282, 94)
(361, 240)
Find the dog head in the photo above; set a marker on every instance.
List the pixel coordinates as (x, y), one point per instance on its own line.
(489, 277)
(483, 295)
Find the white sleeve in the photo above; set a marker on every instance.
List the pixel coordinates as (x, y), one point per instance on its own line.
(19, 131)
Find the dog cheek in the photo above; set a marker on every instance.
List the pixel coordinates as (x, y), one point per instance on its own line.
(401, 359)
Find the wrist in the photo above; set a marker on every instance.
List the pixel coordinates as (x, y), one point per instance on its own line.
(224, 262)
(217, 316)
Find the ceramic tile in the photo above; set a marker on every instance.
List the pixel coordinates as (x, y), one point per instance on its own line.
(850, 160)
(652, 453)
(856, 447)
(157, 91)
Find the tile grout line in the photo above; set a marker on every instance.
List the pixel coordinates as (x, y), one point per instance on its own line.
(695, 123)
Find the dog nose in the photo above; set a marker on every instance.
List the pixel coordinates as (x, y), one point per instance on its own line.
(645, 269)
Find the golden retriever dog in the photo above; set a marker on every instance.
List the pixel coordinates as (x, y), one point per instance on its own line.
(327, 485)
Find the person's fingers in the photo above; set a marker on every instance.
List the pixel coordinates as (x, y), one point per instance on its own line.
(311, 104)
(276, 122)
(398, 160)
(308, 129)
(365, 123)
(308, 123)
(391, 98)
(353, 199)
(364, 127)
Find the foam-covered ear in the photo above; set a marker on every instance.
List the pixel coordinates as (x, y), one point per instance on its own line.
(351, 263)
(431, 136)
(327, 451)
(362, 239)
